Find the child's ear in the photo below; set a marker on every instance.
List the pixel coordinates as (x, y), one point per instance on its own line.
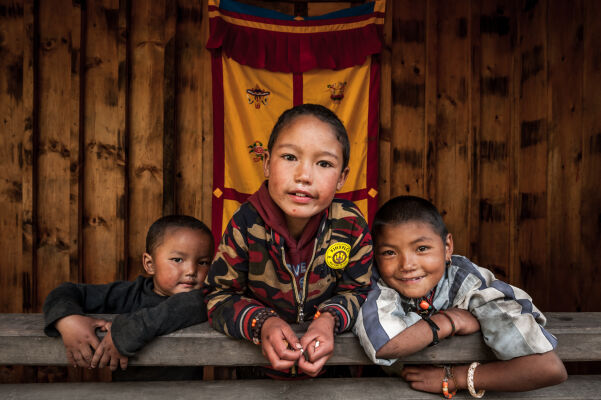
(266, 157)
(148, 264)
(448, 245)
(342, 178)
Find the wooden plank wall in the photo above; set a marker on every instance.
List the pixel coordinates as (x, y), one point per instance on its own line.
(490, 108)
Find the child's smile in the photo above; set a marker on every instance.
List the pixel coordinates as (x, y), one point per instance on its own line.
(411, 257)
(304, 170)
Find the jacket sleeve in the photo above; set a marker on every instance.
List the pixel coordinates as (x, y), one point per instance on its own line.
(229, 310)
(132, 331)
(380, 319)
(353, 281)
(79, 299)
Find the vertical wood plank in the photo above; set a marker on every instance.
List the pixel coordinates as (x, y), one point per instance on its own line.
(590, 207)
(565, 153)
(207, 123)
(15, 169)
(448, 143)
(55, 233)
(145, 164)
(431, 98)
(531, 271)
(170, 79)
(104, 169)
(497, 27)
(385, 108)
(191, 74)
(408, 96)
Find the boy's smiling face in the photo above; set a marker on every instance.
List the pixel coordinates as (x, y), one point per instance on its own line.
(411, 257)
(181, 262)
(304, 169)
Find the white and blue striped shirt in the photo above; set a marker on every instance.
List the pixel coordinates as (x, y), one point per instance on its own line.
(511, 325)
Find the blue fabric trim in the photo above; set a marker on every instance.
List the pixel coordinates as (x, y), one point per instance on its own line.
(371, 319)
(465, 268)
(549, 337)
(234, 6)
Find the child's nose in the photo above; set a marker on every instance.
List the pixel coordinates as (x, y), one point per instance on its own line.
(303, 172)
(405, 262)
(190, 268)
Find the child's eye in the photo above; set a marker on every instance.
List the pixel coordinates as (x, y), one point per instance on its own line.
(324, 164)
(204, 263)
(421, 249)
(387, 253)
(289, 157)
(177, 259)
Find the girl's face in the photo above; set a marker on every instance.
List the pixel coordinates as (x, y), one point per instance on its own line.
(304, 169)
(411, 257)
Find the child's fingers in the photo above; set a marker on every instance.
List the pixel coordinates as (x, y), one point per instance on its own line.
(274, 359)
(104, 360)
(97, 355)
(319, 349)
(311, 368)
(79, 359)
(70, 359)
(123, 361)
(114, 363)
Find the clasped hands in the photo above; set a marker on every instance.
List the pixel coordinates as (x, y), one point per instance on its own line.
(283, 349)
(82, 346)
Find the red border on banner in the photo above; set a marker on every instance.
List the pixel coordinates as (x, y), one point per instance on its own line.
(373, 118)
(218, 146)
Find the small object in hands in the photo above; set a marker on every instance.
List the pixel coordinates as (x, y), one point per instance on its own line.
(470, 381)
(305, 354)
(316, 344)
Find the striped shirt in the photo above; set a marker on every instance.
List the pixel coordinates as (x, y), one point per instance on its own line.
(511, 325)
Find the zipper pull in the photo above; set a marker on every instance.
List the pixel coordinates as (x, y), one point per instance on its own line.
(301, 314)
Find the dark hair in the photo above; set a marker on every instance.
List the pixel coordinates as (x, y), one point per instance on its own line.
(157, 230)
(405, 209)
(323, 114)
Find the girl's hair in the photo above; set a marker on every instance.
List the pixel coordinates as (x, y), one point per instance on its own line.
(157, 230)
(323, 114)
(403, 209)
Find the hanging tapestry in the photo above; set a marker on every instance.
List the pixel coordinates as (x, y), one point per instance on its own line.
(265, 62)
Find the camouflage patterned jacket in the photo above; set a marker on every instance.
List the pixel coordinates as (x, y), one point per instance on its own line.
(250, 273)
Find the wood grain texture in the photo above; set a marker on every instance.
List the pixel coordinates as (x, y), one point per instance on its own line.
(54, 247)
(385, 131)
(146, 90)
(22, 341)
(576, 387)
(104, 206)
(565, 154)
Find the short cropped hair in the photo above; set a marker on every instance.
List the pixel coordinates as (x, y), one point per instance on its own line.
(323, 114)
(157, 230)
(403, 209)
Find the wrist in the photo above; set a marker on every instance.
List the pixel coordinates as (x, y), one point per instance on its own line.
(329, 315)
(446, 324)
(460, 373)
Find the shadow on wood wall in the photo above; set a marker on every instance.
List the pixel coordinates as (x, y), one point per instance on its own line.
(488, 108)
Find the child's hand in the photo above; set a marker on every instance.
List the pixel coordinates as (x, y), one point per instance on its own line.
(465, 322)
(318, 343)
(107, 354)
(79, 337)
(426, 378)
(279, 343)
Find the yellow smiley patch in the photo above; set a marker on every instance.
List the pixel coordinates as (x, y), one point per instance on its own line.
(337, 255)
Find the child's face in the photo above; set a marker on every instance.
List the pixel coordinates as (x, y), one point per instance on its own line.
(411, 257)
(304, 170)
(181, 262)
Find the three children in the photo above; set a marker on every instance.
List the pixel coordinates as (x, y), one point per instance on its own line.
(424, 293)
(294, 254)
(179, 250)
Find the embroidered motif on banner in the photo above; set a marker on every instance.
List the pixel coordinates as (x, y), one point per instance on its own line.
(257, 96)
(337, 91)
(337, 255)
(257, 150)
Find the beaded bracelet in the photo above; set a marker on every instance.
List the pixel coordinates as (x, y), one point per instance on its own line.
(334, 314)
(448, 373)
(434, 328)
(450, 320)
(470, 381)
(257, 324)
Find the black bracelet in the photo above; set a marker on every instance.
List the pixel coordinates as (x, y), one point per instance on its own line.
(257, 324)
(434, 328)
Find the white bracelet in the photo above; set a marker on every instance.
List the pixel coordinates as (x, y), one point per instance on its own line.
(470, 381)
